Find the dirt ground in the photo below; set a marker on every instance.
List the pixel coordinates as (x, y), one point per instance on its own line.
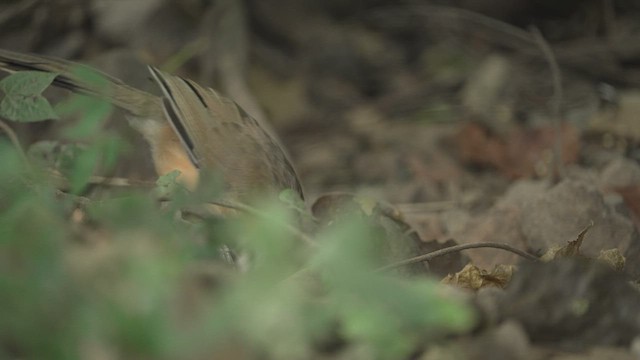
(502, 121)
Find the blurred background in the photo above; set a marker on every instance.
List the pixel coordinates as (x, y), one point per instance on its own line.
(437, 106)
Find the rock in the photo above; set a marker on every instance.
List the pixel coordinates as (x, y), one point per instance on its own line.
(560, 213)
(620, 173)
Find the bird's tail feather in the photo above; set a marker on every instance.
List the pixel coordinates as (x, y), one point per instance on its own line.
(82, 79)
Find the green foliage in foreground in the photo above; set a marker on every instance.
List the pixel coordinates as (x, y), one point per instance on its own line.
(119, 277)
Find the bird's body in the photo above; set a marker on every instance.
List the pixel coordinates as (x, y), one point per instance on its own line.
(190, 128)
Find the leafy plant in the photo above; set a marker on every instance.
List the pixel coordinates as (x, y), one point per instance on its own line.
(123, 277)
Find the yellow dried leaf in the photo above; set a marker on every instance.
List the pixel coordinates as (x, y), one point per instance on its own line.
(613, 258)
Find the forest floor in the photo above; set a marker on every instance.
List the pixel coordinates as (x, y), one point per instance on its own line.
(474, 127)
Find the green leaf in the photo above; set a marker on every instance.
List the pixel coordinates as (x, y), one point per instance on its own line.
(168, 183)
(65, 155)
(387, 315)
(292, 198)
(21, 108)
(43, 149)
(112, 146)
(23, 101)
(83, 167)
(94, 111)
(27, 83)
(90, 76)
(45, 152)
(169, 179)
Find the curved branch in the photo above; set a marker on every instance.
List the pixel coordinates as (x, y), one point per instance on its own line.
(458, 248)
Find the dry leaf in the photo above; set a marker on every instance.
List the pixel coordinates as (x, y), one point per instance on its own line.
(572, 249)
(474, 278)
(612, 258)
(519, 152)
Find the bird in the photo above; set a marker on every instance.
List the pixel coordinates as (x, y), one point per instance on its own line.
(190, 128)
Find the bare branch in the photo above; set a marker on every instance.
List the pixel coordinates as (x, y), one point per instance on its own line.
(458, 248)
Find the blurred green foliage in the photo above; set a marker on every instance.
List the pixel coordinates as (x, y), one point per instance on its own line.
(120, 277)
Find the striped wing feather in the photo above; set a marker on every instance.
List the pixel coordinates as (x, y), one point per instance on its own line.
(229, 140)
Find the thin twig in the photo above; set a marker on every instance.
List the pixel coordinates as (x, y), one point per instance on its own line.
(579, 54)
(558, 171)
(452, 18)
(63, 182)
(184, 54)
(458, 248)
(435, 206)
(120, 182)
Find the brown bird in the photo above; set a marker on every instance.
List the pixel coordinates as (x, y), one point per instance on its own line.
(190, 128)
